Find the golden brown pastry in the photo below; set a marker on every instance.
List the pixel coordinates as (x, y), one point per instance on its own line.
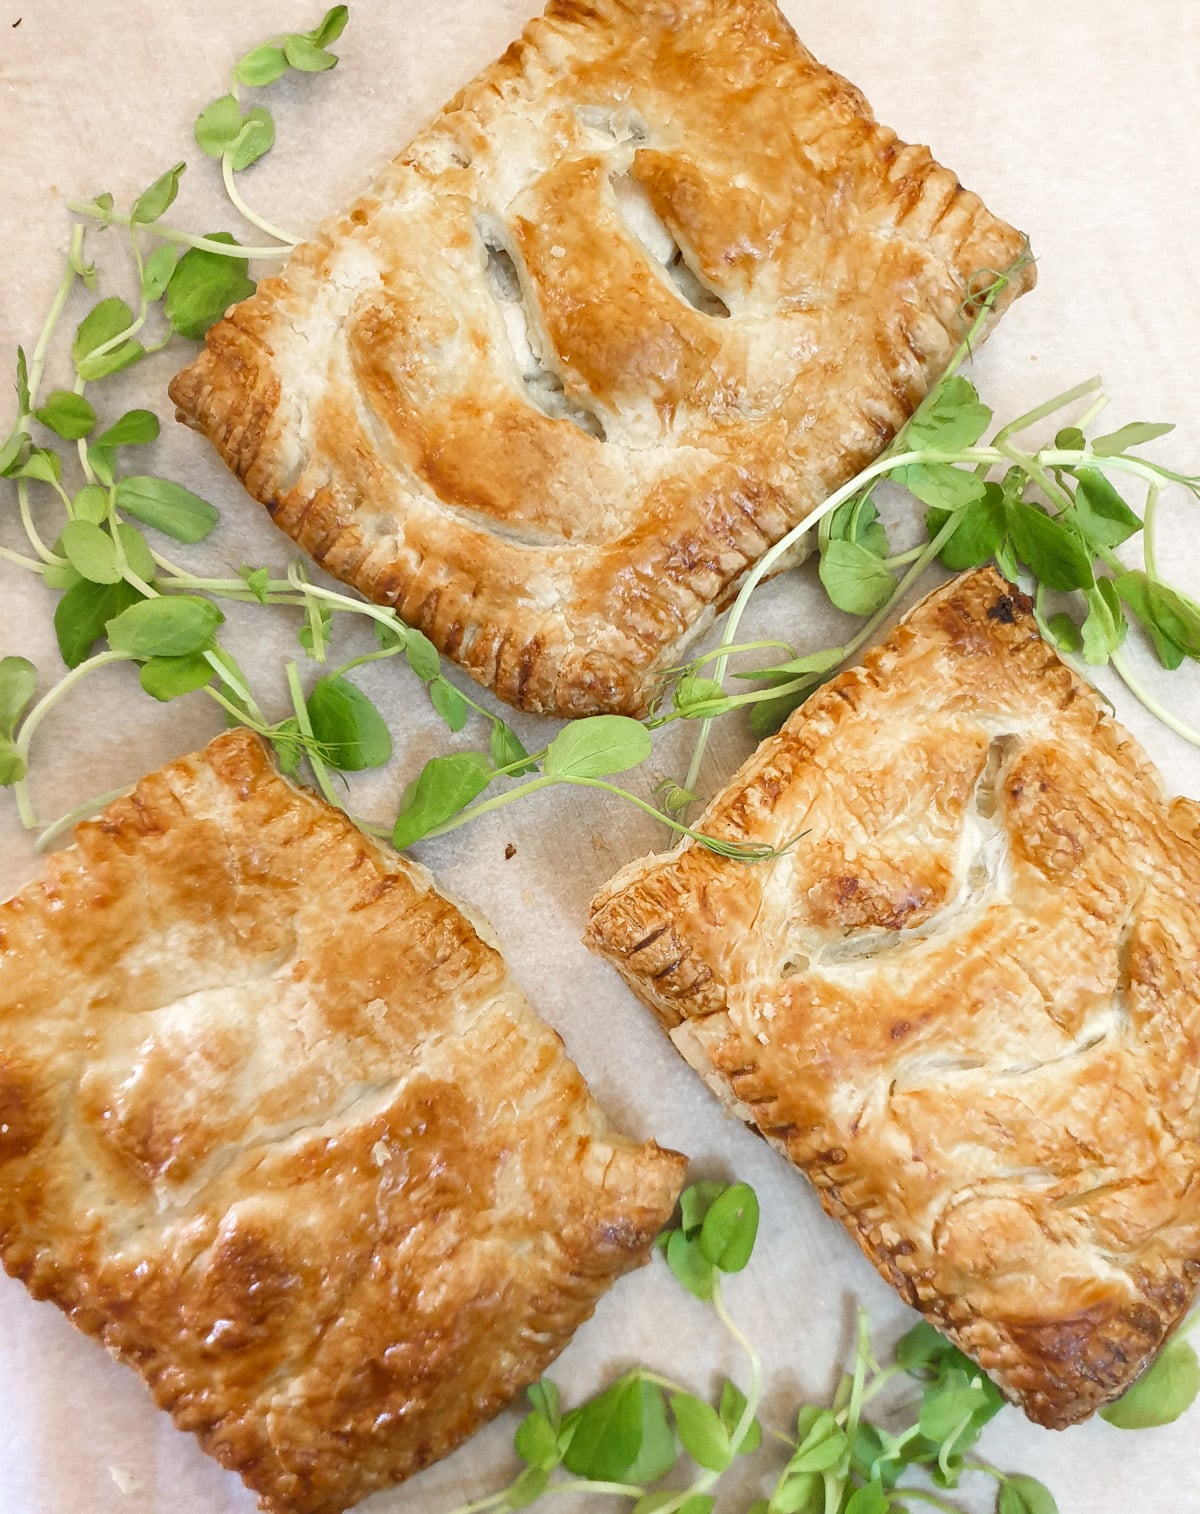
(967, 1000)
(278, 1128)
(641, 296)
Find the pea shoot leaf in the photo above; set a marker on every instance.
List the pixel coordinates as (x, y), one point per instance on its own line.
(42, 464)
(257, 581)
(657, 1451)
(421, 655)
(204, 285)
(730, 1228)
(1104, 628)
(261, 66)
(508, 751)
(255, 139)
(352, 733)
(689, 1265)
(13, 453)
(102, 460)
(135, 428)
(91, 505)
(217, 126)
(978, 534)
(167, 506)
(167, 678)
(448, 703)
(870, 1499)
(306, 56)
(732, 1407)
(330, 27)
(1101, 515)
(165, 627)
(951, 417)
(1163, 611)
(1063, 633)
(543, 1397)
(91, 551)
(527, 1489)
(940, 484)
(153, 203)
(157, 270)
(854, 578)
(857, 520)
(106, 321)
(444, 787)
(1020, 1494)
(695, 1201)
(1052, 552)
(18, 681)
(536, 1441)
(606, 1436)
(1136, 434)
(22, 382)
(83, 612)
(597, 747)
(67, 414)
(704, 1436)
(1162, 1393)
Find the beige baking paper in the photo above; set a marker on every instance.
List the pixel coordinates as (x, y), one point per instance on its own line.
(1076, 120)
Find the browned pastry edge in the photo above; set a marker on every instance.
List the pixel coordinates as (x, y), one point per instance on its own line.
(626, 613)
(644, 922)
(301, 1458)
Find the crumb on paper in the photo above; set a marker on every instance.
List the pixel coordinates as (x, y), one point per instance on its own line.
(126, 1482)
(510, 852)
(598, 842)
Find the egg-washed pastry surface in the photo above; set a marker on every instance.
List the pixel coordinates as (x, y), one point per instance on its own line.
(645, 292)
(966, 1001)
(278, 1128)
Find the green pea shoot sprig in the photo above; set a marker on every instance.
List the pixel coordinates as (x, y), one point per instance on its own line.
(121, 594)
(1050, 518)
(633, 1440)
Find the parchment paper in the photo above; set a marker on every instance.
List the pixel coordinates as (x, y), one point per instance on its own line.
(1077, 121)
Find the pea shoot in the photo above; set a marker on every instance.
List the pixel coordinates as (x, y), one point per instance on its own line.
(633, 1440)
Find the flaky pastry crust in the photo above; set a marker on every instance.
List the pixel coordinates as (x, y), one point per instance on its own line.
(641, 296)
(966, 1002)
(278, 1128)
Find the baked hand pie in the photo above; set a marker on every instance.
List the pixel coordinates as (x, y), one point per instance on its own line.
(646, 291)
(966, 1000)
(279, 1129)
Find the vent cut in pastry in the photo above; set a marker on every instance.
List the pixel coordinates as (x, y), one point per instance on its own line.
(966, 1002)
(278, 1128)
(641, 296)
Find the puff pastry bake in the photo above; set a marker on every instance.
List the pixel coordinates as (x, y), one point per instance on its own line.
(647, 290)
(967, 1001)
(278, 1128)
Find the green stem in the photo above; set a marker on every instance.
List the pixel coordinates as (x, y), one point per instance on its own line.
(1047, 408)
(81, 812)
(1141, 693)
(37, 362)
(611, 1489)
(746, 1419)
(320, 771)
(244, 210)
(39, 712)
(1148, 524)
(21, 562)
(174, 234)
